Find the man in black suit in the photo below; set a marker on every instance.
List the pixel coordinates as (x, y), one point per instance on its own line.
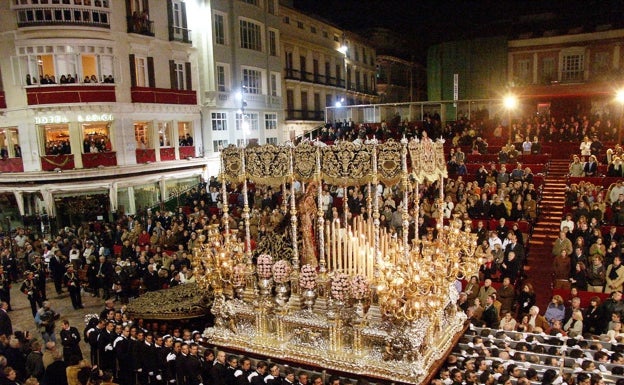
(490, 314)
(57, 268)
(70, 339)
(6, 326)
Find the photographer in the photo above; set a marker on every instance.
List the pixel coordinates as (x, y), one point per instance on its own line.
(45, 320)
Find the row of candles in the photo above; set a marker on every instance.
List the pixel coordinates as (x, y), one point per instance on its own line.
(350, 250)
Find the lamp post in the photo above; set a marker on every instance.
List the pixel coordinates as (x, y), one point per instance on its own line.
(343, 50)
(240, 96)
(510, 102)
(619, 97)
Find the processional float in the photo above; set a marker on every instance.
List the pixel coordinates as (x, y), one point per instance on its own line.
(349, 296)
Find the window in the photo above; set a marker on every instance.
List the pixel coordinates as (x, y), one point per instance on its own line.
(9, 143)
(96, 138)
(286, 20)
(221, 78)
(219, 121)
(252, 81)
(336, 38)
(273, 42)
(36, 13)
(270, 121)
(312, 29)
(524, 71)
(329, 100)
(364, 55)
(178, 76)
(219, 28)
(271, 7)
(185, 133)
(248, 120)
(165, 134)
(602, 62)
(140, 72)
(325, 34)
(177, 18)
(272, 141)
(242, 142)
(64, 64)
(572, 67)
(275, 84)
(252, 2)
(357, 53)
(548, 69)
(56, 139)
(218, 145)
(143, 135)
(251, 35)
(300, 24)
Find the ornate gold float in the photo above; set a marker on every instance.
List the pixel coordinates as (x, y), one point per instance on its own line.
(366, 301)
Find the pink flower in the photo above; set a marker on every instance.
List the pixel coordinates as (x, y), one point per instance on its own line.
(264, 266)
(340, 287)
(307, 279)
(281, 271)
(238, 275)
(359, 287)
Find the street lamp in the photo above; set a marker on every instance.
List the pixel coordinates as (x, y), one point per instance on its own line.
(343, 50)
(510, 102)
(619, 97)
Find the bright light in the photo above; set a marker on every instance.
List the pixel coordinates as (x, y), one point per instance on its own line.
(245, 126)
(338, 104)
(343, 49)
(619, 96)
(510, 102)
(239, 96)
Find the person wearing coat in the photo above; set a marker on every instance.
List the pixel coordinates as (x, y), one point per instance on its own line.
(615, 276)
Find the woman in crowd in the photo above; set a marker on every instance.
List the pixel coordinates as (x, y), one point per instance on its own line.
(579, 277)
(594, 315)
(555, 310)
(526, 299)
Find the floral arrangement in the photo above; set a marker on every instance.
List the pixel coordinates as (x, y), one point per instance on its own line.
(359, 287)
(238, 275)
(340, 286)
(281, 271)
(307, 279)
(265, 265)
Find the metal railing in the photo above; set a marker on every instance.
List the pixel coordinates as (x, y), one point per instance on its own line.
(140, 25)
(179, 34)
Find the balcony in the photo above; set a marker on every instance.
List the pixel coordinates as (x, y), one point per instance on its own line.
(70, 94)
(305, 115)
(162, 95)
(56, 15)
(180, 34)
(140, 25)
(99, 159)
(145, 155)
(57, 162)
(309, 77)
(11, 165)
(223, 99)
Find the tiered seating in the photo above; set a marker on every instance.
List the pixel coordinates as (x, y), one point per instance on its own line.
(573, 352)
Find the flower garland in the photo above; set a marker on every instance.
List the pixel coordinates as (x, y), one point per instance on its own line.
(281, 271)
(238, 275)
(265, 265)
(359, 287)
(307, 279)
(340, 287)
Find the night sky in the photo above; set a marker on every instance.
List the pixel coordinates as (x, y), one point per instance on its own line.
(432, 21)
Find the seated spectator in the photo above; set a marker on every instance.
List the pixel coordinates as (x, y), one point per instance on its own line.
(574, 326)
(591, 167)
(555, 310)
(507, 322)
(576, 167)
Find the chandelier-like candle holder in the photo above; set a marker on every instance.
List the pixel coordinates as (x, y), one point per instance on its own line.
(369, 301)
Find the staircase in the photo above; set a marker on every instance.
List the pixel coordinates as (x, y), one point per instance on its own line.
(546, 230)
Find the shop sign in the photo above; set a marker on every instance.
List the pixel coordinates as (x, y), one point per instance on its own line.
(95, 118)
(51, 119)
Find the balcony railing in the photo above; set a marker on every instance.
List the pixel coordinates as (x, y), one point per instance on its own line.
(292, 74)
(223, 99)
(180, 34)
(140, 25)
(35, 15)
(305, 115)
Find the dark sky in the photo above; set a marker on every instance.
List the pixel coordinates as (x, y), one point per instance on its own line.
(431, 21)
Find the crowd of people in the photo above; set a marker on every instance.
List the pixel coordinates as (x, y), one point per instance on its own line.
(152, 251)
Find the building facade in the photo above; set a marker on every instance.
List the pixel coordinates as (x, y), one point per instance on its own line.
(572, 71)
(99, 104)
(322, 65)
